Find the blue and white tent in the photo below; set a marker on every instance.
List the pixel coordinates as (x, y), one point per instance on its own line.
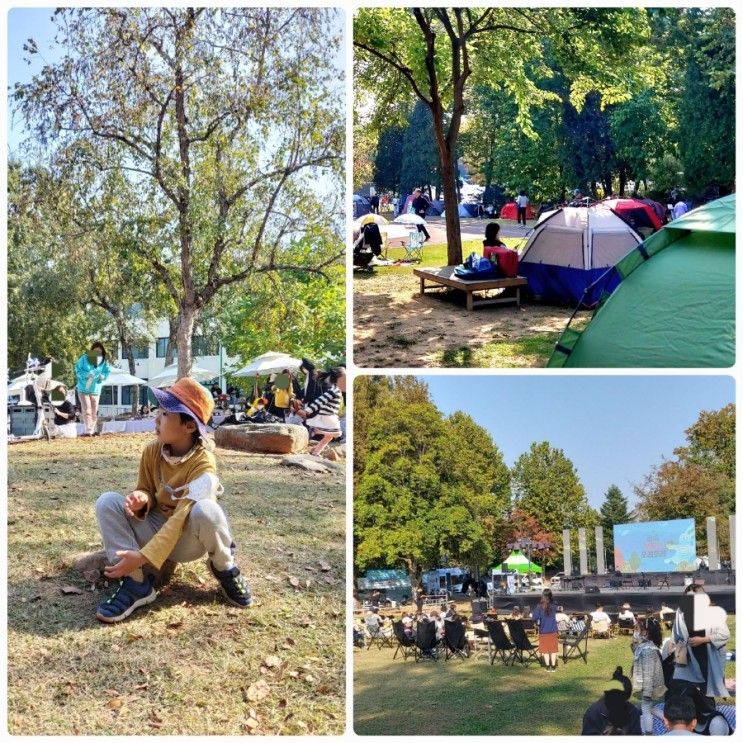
(570, 249)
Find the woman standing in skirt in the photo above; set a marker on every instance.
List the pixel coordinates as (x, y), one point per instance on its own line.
(321, 415)
(546, 618)
(91, 371)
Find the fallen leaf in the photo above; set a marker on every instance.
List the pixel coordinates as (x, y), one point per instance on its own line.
(310, 679)
(251, 723)
(294, 674)
(330, 581)
(115, 703)
(282, 703)
(259, 690)
(133, 637)
(91, 575)
(251, 713)
(308, 583)
(323, 689)
(69, 590)
(142, 687)
(290, 641)
(271, 661)
(325, 567)
(294, 581)
(175, 625)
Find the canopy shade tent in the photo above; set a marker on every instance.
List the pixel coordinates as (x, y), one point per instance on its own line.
(379, 579)
(674, 304)
(519, 562)
(169, 375)
(409, 219)
(120, 377)
(19, 384)
(271, 362)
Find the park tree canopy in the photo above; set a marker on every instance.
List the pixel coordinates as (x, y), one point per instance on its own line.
(225, 119)
(436, 54)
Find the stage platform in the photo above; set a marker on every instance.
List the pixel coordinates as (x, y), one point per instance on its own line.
(640, 599)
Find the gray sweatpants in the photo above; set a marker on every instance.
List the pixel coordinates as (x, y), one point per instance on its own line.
(206, 531)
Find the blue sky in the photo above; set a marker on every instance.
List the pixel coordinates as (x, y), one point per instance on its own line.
(613, 428)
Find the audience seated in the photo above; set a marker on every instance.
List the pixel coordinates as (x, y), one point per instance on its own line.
(613, 714)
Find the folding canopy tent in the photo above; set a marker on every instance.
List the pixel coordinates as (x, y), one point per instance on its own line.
(570, 250)
(674, 305)
(519, 562)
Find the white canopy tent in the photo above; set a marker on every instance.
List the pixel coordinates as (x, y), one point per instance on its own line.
(169, 375)
(271, 362)
(120, 377)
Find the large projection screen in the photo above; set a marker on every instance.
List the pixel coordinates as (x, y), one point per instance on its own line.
(655, 547)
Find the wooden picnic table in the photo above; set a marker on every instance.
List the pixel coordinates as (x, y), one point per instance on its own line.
(444, 277)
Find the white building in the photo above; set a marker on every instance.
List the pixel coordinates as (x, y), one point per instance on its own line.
(208, 353)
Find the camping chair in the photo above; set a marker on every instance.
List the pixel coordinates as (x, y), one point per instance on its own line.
(425, 641)
(405, 643)
(576, 645)
(529, 625)
(377, 636)
(522, 643)
(625, 626)
(600, 629)
(482, 643)
(500, 645)
(455, 640)
(414, 246)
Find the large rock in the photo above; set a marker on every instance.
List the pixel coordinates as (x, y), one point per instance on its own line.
(311, 464)
(266, 438)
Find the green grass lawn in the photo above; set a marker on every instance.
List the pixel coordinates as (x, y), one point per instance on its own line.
(472, 697)
(435, 254)
(189, 664)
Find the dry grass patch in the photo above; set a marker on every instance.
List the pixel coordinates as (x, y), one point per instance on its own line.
(189, 664)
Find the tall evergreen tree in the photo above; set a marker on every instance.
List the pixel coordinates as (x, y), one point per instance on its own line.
(419, 165)
(614, 510)
(388, 159)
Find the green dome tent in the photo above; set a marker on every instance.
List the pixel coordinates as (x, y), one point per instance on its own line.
(675, 305)
(519, 562)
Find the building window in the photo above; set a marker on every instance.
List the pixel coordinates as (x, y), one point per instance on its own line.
(203, 346)
(139, 352)
(161, 346)
(126, 394)
(109, 395)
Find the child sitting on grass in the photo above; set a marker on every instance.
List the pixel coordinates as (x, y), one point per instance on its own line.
(172, 513)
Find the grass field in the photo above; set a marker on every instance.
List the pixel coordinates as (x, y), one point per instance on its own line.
(189, 664)
(471, 697)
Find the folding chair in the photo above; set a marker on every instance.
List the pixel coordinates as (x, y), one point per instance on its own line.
(414, 246)
(377, 636)
(405, 643)
(522, 643)
(571, 644)
(482, 644)
(625, 626)
(500, 645)
(455, 640)
(425, 641)
(600, 629)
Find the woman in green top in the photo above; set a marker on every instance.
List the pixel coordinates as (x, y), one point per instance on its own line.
(91, 370)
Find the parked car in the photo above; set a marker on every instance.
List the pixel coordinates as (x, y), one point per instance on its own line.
(361, 206)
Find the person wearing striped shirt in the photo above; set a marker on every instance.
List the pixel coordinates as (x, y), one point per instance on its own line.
(321, 414)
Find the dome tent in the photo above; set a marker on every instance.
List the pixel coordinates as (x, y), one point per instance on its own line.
(674, 304)
(570, 249)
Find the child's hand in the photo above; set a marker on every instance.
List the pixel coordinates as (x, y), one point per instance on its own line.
(135, 502)
(129, 561)
(302, 413)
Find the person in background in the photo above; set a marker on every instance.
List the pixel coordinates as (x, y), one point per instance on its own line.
(491, 236)
(420, 206)
(647, 669)
(679, 715)
(64, 413)
(680, 207)
(626, 613)
(522, 201)
(599, 615)
(321, 415)
(544, 615)
(91, 370)
(613, 714)
(374, 201)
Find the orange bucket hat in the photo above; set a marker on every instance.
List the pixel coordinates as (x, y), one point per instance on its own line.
(189, 397)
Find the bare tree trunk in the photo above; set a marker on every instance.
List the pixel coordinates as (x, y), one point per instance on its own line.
(172, 340)
(186, 322)
(133, 371)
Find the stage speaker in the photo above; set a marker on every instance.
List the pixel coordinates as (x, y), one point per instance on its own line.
(592, 589)
(479, 606)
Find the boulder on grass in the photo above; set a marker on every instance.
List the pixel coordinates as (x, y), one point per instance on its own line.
(263, 438)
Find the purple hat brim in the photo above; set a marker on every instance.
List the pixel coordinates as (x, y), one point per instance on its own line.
(171, 404)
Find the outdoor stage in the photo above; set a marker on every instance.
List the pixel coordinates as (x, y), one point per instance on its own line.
(640, 599)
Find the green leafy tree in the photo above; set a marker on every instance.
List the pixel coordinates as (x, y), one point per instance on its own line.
(614, 510)
(546, 486)
(438, 53)
(419, 164)
(223, 119)
(388, 159)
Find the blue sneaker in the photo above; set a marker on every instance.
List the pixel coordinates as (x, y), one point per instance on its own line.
(233, 586)
(129, 596)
